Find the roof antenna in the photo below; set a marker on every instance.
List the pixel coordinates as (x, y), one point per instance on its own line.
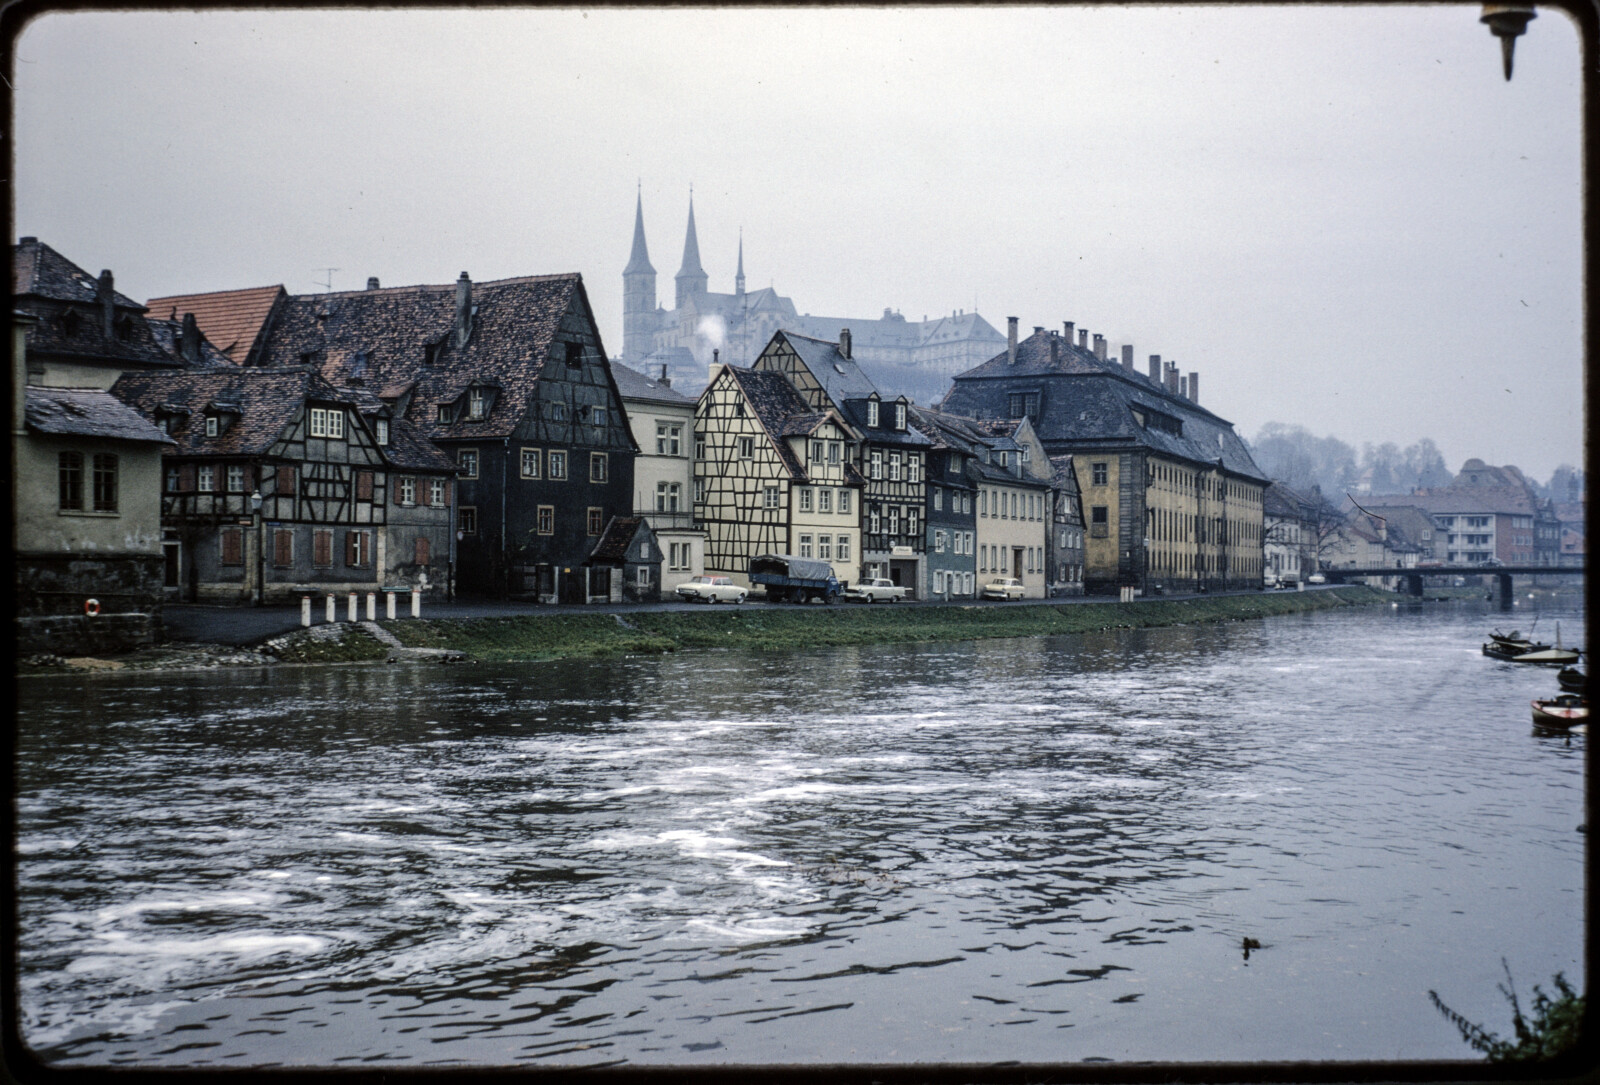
(327, 286)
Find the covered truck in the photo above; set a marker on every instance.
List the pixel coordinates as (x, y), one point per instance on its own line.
(794, 580)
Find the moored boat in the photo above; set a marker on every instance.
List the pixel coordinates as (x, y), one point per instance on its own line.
(1514, 641)
(1564, 710)
(1572, 680)
(1549, 656)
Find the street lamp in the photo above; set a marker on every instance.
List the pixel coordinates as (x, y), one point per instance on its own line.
(261, 561)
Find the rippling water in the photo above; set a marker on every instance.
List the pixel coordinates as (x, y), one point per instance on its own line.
(1038, 850)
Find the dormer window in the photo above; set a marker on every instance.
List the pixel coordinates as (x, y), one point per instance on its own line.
(445, 413)
(69, 322)
(431, 351)
(900, 416)
(327, 422)
(872, 413)
(123, 329)
(475, 404)
(380, 430)
(213, 425)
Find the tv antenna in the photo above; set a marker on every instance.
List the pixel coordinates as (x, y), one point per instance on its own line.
(326, 286)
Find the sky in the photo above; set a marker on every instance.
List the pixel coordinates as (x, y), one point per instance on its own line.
(1341, 217)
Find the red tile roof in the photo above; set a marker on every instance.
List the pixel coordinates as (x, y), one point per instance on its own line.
(230, 319)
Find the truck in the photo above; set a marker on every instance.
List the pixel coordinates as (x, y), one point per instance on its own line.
(794, 580)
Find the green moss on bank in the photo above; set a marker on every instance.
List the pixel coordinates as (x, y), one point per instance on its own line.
(345, 643)
(555, 636)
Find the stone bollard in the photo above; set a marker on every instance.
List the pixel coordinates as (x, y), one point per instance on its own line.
(305, 611)
(372, 606)
(389, 604)
(352, 607)
(416, 602)
(333, 615)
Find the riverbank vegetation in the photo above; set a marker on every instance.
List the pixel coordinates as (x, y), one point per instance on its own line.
(1553, 1029)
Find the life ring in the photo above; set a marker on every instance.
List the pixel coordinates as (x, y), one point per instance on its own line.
(91, 607)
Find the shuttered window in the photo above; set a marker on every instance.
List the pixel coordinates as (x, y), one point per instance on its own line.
(232, 546)
(357, 548)
(363, 485)
(322, 548)
(282, 547)
(423, 550)
(285, 480)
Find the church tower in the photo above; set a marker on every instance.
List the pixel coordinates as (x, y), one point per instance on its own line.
(738, 279)
(691, 277)
(638, 294)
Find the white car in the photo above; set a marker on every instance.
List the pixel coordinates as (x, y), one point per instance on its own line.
(1316, 578)
(711, 589)
(873, 589)
(1005, 587)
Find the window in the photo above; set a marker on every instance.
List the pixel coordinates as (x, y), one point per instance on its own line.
(475, 404)
(805, 499)
(844, 502)
(232, 545)
(824, 500)
(770, 497)
(213, 426)
(875, 522)
(913, 468)
(875, 465)
(894, 519)
(558, 412)
(357, 548)
(699, 490)
(235, 477)
(597, 416)
(406, 492)
(468, 459)
(1099, 472)
(422, 550)
(322, 549)
(596, 520)
(817, 452)
(443, 416)
(824, 547)
(747, 448)
(872, 412)
(325, 422)
(547, 519)
(282, 547)
(844, 548)
(467, 520)
(284, 479)
(206, 480)
(938, 581)
(911, 522)
(899, 416)
(69, 472)
(669, 439)
(938, 541)
(597, 467)
(699, 448)
(833, 453)
(983, 503)
(894, 467)
(805, 546)
(380, 430)
(1099, 522)
(173, 478)
(938, 500)
(574, 355)
(438, 493)
(530, 463)
(363, 485)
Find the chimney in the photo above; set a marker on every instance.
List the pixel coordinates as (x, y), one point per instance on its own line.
(1194, 386)
(1127, 357)
(1100, 347)
(1183, 387)
(1066, 331)
(189, 340)
(844, 342)
(1083, 338)
(1011, 340)
(1055, 348)
(1155, 368)
(716, 367)
(1172, 377)
(103, 294)
(372, 282)
(666, 382)
(463, 329)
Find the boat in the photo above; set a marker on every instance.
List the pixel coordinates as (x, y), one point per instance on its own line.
(1514, 641)
(1572, 680)
(1564, 710)
(1499, 648)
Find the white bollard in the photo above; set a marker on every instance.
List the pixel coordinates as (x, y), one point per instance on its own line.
(352, 607)
(333, 615)
(389, 604)
(416, 603)
(305, 610)
(372, 606)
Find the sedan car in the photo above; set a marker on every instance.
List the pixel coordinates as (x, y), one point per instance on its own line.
(711, 589)
(1005, 587)
(1316, 578)
(875, 589)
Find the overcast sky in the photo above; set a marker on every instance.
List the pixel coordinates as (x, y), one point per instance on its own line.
(1342, 217)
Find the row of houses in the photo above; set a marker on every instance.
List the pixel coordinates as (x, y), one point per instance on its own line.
(256, 446)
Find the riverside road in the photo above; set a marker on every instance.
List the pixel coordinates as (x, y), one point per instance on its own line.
(252, 625)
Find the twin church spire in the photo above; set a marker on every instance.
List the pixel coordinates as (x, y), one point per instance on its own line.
(639, 280)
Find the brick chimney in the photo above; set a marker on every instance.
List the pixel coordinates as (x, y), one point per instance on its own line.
(1155, 368)
(844, 342)
(1011, 340)
(189, 340)
(1066, 331)
(1194, 386)
(372, 282)
(1083, 338)
(1172, 377)
(103, 294)
(1183, 386)
(1127, 357)
(463, 328)
(1100, 347)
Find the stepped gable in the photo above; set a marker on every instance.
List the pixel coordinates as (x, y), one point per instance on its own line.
(82, 412)
(388, 333)
(65, 300)
(231, 319)
(265, 401)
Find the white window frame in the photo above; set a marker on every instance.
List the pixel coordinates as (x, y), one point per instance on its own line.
(844, 502)
(205, 479)
(805, 499)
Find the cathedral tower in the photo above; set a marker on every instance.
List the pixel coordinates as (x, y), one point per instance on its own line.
(638, 294)
(691, 277)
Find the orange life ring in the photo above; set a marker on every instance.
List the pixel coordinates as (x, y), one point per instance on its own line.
(91, 607)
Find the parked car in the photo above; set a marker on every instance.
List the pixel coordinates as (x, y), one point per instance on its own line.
(875, 589)
(1316, 578)
(711, 589)
(1005, 587)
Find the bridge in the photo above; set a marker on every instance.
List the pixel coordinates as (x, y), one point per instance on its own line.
(1414, 575)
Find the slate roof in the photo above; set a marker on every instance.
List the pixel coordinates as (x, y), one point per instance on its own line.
(781, 411)
(910, 437)
(1089, 401)
(1283, 502)
(636, 386)
(40, 271)
(514, 325)
(841, 378)
(168, 334)
(81, 412)
(408, 447)
(1446, 501)
(612, 549)
(232, 319)
(268, 399)
(49, 287)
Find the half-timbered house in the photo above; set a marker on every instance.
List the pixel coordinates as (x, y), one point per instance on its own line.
(276, 486)
(511, 380)
(773, 476)
(890, 454)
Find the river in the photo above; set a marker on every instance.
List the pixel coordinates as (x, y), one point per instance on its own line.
(1045, 850)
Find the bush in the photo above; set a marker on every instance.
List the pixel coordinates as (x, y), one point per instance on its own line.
(1555, 1029)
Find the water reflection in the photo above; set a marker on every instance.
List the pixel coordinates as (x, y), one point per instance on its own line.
(1041, 849)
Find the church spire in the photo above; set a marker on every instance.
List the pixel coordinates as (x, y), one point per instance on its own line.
(691, 277)
(738, 279)
(640, 259)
